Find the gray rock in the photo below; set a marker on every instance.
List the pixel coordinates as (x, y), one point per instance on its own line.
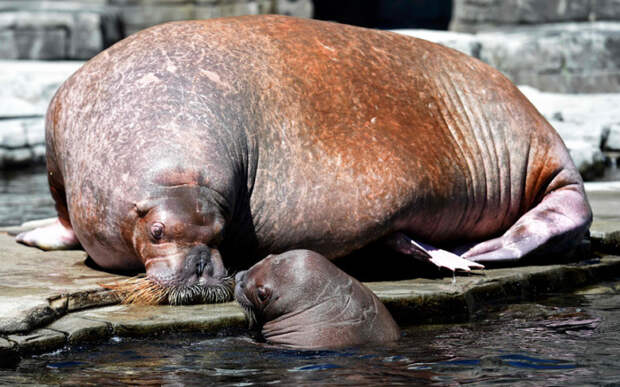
(605, 229)
(34, 35)
(236, 8)
(466, 43)
(22, 141)
(33, 293)
(26, 87)
(23, 311)
(605, 9)
(13, 134)
(589, 160)
(476, 15)
(16, 157)
(299, 8)
(40, 340)
(86, 39)
(266, 6)
(35, 131)
(79, 330)
(56, 30)
(610, 140)
(584, 118)
(136, 17)
(566, 58)
(38, 154)
(141, 320)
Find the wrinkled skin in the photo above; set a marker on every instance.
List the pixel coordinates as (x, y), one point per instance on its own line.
(299, 299)
(238, 137)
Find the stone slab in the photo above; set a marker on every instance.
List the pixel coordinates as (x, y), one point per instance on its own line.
(79, 330)
(24, 309)
(466, 43)
(138, 320)
(610, 141)
(605, 230)
(38, 341)
(37, 286)
(563, 57)
(414, 301)
(298, 8)
(26, 87)
(456, 299)
(476, 15)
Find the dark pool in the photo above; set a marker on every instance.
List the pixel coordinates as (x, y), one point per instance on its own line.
(562, 340)
(24, 196)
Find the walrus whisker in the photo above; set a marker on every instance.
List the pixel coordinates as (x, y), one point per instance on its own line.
(146, 291)
(138, 290)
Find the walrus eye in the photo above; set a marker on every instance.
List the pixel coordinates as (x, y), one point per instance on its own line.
(263, 293)
(157, 231)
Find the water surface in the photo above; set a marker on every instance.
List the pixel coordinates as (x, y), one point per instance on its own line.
(561, 340)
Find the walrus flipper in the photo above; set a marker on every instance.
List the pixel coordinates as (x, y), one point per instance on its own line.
(557, 224)
(427, 253)
(53, 236)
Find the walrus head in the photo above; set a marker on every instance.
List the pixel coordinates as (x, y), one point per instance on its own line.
(282, 285)
(299, 299)
(176, 234)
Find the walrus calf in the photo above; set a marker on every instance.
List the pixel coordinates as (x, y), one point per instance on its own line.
(193, 147)
(300, 299)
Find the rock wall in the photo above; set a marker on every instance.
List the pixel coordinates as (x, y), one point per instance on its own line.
(478, 15)
(26, 87)
(566, 46)
(79, 29)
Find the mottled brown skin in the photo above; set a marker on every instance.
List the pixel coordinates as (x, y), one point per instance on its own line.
(300, 299)
(246, 136)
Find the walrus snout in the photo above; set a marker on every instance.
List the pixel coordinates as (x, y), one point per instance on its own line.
(203, 264)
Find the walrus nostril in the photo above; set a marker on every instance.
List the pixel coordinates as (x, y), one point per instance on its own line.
(201, 264)
(199, 261)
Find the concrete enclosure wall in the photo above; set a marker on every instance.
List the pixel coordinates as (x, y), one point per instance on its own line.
(79, 29)
(477, 15)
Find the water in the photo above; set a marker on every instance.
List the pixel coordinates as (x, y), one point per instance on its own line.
(24, 196)
(562, 340)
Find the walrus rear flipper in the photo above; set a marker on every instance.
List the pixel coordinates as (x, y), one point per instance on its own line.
(557, 224)
(441, 258)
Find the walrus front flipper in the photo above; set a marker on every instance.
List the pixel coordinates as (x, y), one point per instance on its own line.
(557, 224)
(441, 258)
(53, 236)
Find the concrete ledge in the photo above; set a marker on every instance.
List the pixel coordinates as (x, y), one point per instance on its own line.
(422, 301)
(411, 302)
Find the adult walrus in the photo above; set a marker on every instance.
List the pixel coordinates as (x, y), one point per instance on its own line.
(300, 299)
(196, 145)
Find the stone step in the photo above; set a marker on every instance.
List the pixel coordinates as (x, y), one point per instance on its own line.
(477, 15)
(563, 57)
